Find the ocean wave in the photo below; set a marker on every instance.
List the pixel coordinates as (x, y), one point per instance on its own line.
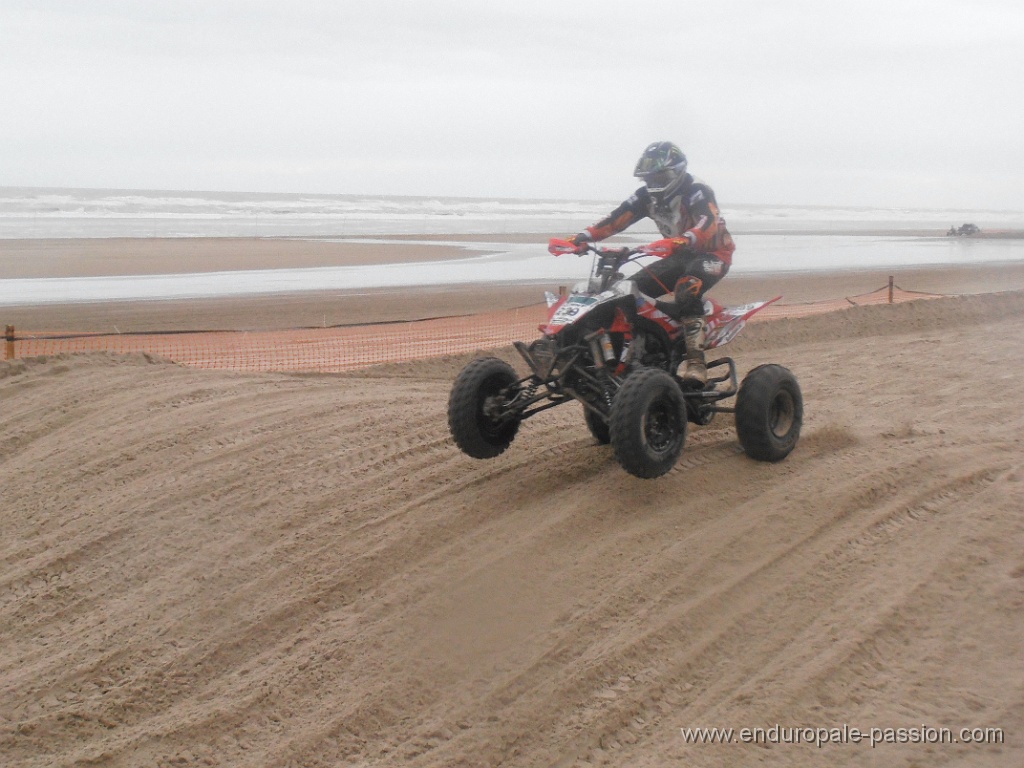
(30, 212)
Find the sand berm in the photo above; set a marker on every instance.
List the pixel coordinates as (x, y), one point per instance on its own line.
(207, 568)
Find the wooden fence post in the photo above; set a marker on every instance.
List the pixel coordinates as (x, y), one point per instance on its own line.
(890, 289)
(9, 336)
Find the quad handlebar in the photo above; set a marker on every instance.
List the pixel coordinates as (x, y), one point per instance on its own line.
(559, 247)
(608, 263)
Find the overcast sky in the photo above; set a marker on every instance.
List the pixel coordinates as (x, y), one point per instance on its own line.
(890, 103)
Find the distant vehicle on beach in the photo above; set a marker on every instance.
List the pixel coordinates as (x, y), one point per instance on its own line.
(965, 230)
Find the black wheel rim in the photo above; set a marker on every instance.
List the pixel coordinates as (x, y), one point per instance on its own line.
(661, 427)
(782, 414)
(490, 400)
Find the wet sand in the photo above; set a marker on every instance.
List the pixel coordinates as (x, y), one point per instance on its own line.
(71, 258)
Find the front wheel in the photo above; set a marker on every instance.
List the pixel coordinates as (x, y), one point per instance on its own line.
(769, 413)
(648, 423)
(476, 407)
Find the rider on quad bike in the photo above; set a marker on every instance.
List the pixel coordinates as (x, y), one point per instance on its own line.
(696, 252)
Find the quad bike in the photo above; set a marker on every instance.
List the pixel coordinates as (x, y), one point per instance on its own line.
(610, 347)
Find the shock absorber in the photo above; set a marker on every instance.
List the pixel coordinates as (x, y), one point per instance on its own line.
(601, 347)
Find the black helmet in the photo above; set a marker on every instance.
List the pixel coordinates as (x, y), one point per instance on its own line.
(662, 166)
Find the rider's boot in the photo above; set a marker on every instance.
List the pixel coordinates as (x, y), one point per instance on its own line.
(694, 369)
(670, 308)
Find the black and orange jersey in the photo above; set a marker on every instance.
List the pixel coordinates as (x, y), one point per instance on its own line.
(691, 214)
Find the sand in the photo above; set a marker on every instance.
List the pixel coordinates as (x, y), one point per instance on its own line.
(209, 568)
(81, 258)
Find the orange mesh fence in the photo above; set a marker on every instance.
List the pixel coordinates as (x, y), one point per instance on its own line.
(332, 350)
(895, 295)
(304, 349)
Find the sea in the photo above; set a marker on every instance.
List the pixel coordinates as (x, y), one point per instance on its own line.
(770, 238)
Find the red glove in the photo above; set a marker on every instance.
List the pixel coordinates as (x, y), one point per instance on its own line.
(559, 247)
(665, 248)
(576, 244)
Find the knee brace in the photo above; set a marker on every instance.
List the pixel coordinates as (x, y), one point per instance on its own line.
(688, 296)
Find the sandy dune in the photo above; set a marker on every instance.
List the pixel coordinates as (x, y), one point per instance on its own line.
(201, 568)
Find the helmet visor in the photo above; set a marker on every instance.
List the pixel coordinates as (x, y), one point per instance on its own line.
(661, 180)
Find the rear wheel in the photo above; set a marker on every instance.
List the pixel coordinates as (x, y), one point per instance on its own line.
(648, 423)
(598, 426)
(701, 415)
(476, 406)
(769, 413)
